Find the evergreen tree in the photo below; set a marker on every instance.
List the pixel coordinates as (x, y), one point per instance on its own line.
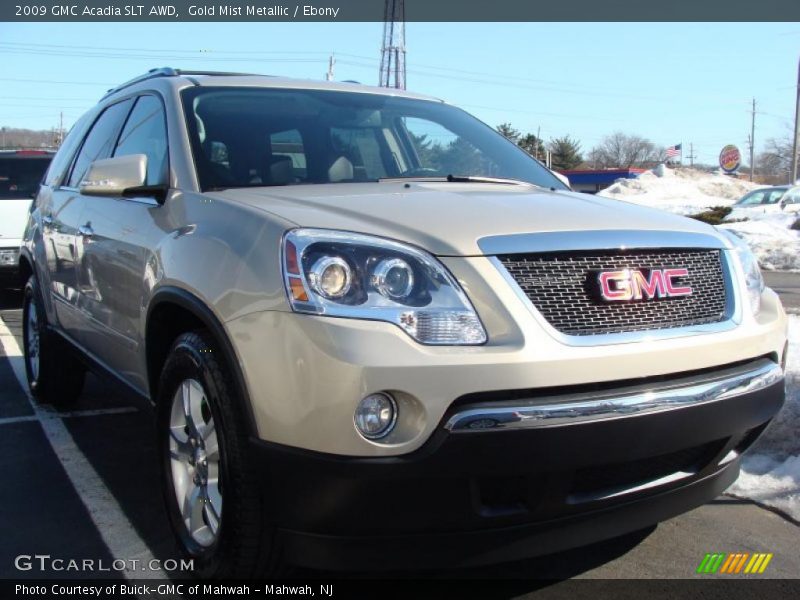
(509, 132)
(531, 144)
(565, 153)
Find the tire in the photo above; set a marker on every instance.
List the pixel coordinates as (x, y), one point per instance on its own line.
(54, 373)
(227, 533)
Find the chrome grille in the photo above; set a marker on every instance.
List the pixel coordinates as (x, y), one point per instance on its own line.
(558, 286)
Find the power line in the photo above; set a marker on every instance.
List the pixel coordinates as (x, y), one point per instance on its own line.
(121, 49)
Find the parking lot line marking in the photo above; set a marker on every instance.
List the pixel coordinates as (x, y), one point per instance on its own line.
(119, 535)
(98, 412)
(23, 419)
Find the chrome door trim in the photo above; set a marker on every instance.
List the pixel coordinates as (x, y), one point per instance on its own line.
(586, 408)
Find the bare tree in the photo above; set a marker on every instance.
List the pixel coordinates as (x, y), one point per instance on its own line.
(14, 137)
(775, 162)
(625, 151)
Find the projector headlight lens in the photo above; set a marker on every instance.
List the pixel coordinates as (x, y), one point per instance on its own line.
(394, 278)
(364, 277)
(330, 277)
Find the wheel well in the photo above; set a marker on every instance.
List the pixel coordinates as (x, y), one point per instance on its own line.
(165, 323)
(25, 270)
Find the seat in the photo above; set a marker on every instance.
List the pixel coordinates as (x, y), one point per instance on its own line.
(280, 170)
(340, 170)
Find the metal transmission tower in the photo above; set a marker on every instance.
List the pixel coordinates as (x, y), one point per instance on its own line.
(393, 52)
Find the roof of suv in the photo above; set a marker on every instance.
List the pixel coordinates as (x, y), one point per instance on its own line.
(222, 79)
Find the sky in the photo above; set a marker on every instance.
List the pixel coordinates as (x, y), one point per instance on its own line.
(689, 83)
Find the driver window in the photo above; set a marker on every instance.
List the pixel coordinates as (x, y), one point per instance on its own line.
(100, 141)
(145, 133)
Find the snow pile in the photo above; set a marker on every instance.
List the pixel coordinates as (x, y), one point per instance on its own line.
(771, 470)
(682, 191)
(770, 237)
(688, 191)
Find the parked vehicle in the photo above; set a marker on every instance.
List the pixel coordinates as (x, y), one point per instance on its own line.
(768, 200)
(20, 174)
(377, 333)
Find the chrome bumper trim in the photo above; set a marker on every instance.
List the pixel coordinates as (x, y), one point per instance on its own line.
(584, 408)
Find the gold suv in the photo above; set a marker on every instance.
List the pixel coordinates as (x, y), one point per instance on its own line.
(376, 332)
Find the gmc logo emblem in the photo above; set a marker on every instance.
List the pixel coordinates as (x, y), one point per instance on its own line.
(634, 284)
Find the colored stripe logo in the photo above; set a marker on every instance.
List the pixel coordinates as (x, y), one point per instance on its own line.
(734, 563)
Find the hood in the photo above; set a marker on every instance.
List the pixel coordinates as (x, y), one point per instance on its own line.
(448, 219)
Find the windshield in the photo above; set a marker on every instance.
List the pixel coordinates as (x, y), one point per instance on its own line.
(758, 197)
(20, 177)
(245, 137)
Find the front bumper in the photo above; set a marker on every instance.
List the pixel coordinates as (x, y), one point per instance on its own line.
(489, 496)
(305, 375)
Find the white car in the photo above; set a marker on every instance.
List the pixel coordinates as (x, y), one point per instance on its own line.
(768, 200)
(21, 171)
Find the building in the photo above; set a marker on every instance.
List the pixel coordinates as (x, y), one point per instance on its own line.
(592, 181)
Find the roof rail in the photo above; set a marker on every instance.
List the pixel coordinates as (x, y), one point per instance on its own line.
(167, 72)
(151, 74)
(219, 73)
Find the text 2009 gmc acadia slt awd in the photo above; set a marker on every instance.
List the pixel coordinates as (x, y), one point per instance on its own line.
(378, 333)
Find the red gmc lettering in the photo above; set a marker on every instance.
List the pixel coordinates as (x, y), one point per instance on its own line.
(624, 285)
(672, 289)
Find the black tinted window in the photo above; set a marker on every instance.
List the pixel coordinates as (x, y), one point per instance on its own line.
(20, 177)
(100, 141)
(145, 133)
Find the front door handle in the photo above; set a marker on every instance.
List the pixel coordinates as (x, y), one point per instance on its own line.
(85, 231)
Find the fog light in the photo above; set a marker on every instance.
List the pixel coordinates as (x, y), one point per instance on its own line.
(8, 258)
(376, 415)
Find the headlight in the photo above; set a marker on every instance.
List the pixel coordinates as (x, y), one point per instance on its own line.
(752, 272)
(352, 275)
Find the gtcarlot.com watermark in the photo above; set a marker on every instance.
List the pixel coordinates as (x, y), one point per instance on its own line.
(38, 563)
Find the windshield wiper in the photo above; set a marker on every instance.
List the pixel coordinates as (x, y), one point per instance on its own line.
(480, 179)
(459, 179)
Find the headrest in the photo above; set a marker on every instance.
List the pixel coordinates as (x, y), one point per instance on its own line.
(280, 170)
(340, 170)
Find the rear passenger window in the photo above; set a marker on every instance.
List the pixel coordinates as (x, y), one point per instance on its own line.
(145, 133)
(100, 141)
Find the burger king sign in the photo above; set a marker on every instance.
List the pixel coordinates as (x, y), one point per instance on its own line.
(730, 158)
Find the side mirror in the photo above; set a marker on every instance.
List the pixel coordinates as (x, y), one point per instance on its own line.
(113, 176)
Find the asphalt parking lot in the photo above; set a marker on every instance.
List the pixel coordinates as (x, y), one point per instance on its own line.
(83, 484)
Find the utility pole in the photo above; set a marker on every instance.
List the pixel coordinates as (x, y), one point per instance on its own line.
(331, 65)
(796, 117)
(691, 156)
(61, 129)
(393, 52)
(752, 139)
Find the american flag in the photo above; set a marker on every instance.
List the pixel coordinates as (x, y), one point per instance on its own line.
(673, 151)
